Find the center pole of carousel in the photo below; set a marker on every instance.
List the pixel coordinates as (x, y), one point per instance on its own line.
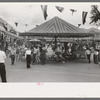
(55, 37)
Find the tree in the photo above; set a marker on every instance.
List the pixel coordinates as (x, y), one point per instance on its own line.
(95, 15)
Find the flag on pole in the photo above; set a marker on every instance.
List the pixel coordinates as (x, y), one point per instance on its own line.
(59, 8)
(84, 15)
(73, 10)
(16, 24)
(79, 25)
(44, 10)
(5, 26)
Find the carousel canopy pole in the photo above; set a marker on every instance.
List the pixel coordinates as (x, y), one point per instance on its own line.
(55, 42)
(50, 42)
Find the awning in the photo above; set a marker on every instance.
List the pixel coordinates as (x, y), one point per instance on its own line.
(56, 27)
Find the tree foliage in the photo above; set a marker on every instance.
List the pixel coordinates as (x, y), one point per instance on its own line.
(95, 15)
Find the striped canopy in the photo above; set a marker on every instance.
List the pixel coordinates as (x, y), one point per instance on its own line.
(57, 27)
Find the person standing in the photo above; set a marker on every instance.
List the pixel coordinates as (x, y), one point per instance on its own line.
(99, 58)
(28, 57)
(12, 55)
(38, 55)
(43, 55)
(35, 52)
(70, 53)
(88, 54)
(2, 66)
(96, 53)
(17, 54)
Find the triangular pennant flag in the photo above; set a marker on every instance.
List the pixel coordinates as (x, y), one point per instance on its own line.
(44, 10)
(84, 15)
(97, 25)
(37, 25)
(72, 10)
(60, 8)
(79, 25)
(5, 26)
(16, 24)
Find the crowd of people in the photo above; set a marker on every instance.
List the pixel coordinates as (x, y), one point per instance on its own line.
(40, 53)
(43, 52)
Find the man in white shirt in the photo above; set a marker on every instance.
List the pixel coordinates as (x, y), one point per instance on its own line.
(2, 66)
(96, 54)
(88, 53)
(28, 57)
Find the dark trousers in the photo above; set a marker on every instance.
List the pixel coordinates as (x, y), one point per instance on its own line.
(34, 58)
(3, 72)
(95, 59)
(12, 59)
(70, 57)
(88, 57)
(28, 60)
(43, 58)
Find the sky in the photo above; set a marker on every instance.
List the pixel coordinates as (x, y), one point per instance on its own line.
(31, 13)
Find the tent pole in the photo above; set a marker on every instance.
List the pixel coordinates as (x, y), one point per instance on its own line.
(55, 42)
(51, 42)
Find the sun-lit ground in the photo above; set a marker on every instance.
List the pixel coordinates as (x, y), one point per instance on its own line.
(71, 71)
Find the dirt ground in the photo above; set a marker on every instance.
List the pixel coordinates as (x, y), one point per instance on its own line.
(71, 71)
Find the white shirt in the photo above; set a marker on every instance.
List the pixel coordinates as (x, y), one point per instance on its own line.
(96, 52)
(88, 52)
(28, 52)
(36, 50)
(13, 51)
(49, 51)
(2, 56)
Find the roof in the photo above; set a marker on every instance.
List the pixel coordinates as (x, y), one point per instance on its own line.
(56, 27)
(91, 30)
(13, 35)
(2, 28)
(9, 27)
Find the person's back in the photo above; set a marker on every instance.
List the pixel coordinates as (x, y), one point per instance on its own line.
(12, 55)
(2, 56)
(13, 51)
(28, 52)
